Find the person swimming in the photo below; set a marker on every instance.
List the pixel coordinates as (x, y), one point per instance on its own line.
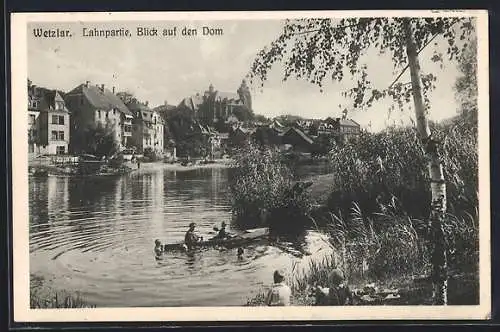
(240, 252)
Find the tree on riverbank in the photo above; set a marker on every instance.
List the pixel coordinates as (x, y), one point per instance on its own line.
(263, 192)
(323, 49)
(99, 141)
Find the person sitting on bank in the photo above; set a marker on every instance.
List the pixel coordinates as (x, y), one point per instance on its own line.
(191, 238)
(280, 293)
(338, 292)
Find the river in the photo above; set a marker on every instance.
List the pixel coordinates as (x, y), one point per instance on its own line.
(95, 236)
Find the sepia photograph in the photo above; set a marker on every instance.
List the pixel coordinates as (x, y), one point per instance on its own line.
(215, 166)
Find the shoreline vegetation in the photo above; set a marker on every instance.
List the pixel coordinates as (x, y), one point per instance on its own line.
(373, 208)
(39, 169)
(44, 296)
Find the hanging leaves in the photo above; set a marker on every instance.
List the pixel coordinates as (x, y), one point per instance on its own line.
(322, 50)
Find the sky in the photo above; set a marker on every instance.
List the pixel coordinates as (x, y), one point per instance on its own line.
(159, 69)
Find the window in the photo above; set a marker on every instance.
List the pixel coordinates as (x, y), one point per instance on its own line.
(58, 119)
(81, 101)
(57, 135)
(99, 114)
(107, 115)
(31, 119)
(60, 150)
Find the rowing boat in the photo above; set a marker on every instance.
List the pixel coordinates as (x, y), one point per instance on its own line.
(235, 241)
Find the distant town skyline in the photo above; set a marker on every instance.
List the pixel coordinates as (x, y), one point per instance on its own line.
(171, 68)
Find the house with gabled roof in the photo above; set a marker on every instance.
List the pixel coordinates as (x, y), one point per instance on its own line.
(343, 128)
(298, 140)
(147, 128)
(93, 105)
(48, 122)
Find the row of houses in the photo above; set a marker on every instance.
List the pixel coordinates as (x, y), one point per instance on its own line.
(300, 137)
(59, 123)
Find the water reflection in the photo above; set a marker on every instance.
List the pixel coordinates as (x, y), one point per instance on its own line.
(95, 235)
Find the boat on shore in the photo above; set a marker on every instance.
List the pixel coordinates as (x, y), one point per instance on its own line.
(246, 237)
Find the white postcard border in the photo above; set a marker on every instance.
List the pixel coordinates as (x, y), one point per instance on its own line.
(20, 222)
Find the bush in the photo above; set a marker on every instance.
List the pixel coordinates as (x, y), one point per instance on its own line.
(378, 167)
(42, 296)
(150, 155)
(263, 192)
(117, 162)
(387, 245)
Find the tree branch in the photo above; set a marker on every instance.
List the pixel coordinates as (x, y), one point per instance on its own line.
(418, 52)
(332, 28)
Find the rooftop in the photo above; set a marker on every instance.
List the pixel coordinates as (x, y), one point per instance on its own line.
(100, 97)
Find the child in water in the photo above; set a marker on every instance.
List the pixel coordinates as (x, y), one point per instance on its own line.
(280, 293)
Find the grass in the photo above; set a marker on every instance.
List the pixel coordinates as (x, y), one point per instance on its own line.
(463, 288)
(42, 296)
(392, 251)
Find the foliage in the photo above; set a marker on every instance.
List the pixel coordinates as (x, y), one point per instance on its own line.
(319, 50)
(186, 132)
(243, 113)
(313, 129)
(258, 181)
(150, 154)
(262, 191)
(389, 244)
(265, 136)
(126, 97)
(377, 168)
(99, 141)
(324, 144)
(43, 297)
(117, 162)
(466, 85)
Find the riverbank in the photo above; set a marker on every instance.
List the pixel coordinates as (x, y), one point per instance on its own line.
(463, 288)
(80, 169)
(43, 295)
(409, 279)
(178, 167)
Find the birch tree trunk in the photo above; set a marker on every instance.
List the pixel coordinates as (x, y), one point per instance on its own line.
(435, 169)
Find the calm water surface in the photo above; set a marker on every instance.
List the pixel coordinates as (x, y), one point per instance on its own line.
(95, 236)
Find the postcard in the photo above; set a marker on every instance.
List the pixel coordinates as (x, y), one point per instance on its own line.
(250, 166)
